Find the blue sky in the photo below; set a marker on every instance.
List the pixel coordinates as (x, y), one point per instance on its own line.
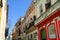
(16, 9)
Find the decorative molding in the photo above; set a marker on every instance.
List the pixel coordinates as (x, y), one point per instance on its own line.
(56, 18)
(47, 24)
(44, 26)
(40, 28)
(53, 21)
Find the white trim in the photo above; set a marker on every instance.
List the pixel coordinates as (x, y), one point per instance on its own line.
(47, 24)
(53, 21)
(40, 28)
(44, 26)
(58, 18)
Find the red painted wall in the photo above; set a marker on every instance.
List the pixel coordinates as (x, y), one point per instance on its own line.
(48, 20)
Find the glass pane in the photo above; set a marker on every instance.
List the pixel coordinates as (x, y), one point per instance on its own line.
(51, 31)
(35, 36)
(30, 37)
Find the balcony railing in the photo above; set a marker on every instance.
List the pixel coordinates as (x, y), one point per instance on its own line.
(48, 12)
(29, 25)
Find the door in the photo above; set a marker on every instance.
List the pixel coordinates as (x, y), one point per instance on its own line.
(43, 34)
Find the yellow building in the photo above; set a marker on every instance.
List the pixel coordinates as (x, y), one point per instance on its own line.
(3, 18)
(14, 34)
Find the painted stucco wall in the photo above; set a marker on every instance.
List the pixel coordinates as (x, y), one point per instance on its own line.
(3, 20)
(54, 5)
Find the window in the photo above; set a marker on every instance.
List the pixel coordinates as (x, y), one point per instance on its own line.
(51, 31)
(0, 3)
(30, 18)
(35, 36)
(19, 31)
(19, 38)
(41, 9)
(48, 4)
(34, 17)
(30, 37)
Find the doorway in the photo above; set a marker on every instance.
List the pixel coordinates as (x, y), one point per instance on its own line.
(43, 34)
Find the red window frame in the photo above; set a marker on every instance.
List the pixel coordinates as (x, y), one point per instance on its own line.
(48, 31)
(59, 28)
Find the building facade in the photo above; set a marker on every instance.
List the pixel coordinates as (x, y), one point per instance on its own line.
(14, 34)
(48, 19)
(26, 25)
(19, 29)
(31, 29)
(22, 27)
(3, 18)
(41, 22)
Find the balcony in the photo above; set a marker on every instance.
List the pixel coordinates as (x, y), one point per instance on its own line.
(29, 26)
(48, 12)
